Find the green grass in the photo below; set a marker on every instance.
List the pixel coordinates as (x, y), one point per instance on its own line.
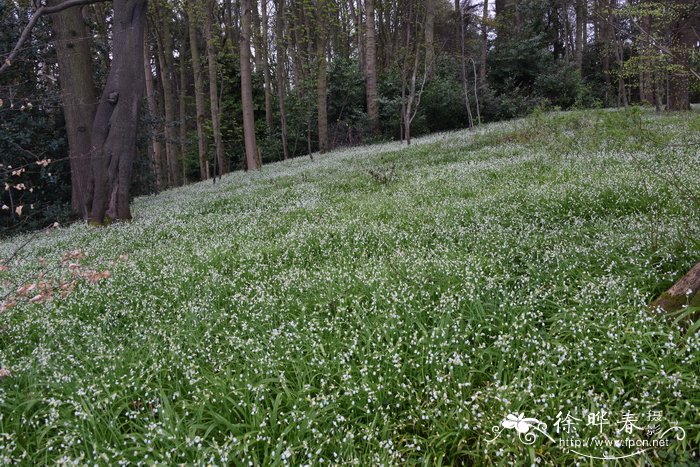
(311, 311)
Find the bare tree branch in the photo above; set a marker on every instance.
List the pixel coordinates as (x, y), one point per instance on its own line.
(41, 11)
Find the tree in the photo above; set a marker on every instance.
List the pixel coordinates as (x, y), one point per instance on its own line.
(281, 50)
(222, 163)
(167, 78)
(156, 151)
(192, 21)
(322, 74)
(78, 95)
(114, 130)
(371, 66)
(251, 148)
(683, 34)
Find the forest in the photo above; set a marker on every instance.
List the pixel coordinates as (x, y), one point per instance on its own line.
(104, 101)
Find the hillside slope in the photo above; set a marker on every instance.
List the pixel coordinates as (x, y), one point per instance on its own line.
(379, 305)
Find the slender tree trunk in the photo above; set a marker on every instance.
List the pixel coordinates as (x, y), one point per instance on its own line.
(371, 64)
(322, 76)
(251, 149)
(156, 147)
(116, 120)
(463, 59)
(222, 163)
(282, 75)
(684, 35)
(165, 58)
(79, 98)
(484, 42)
(266, 65)
(580, 27)
(604, 19)
(359, 34)
(183, 102)
(200, 105)
(429, 34)
(322, 100)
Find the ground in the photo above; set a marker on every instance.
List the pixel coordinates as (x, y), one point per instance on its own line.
(378, 305)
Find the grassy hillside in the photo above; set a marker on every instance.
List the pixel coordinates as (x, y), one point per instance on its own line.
(379, 305)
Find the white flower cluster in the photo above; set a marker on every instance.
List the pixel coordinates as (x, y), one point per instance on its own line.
(306, 314)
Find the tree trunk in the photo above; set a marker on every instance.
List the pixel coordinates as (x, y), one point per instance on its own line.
(484, 42)
(79, 98)
(116, 120)
(266, 65)
(282, 75)
(580, 27)
(359, 34)
(321, 76)
(371, 64)
(156, 147)
(200, 105)
(222, 163)
(463, 60)
(251, 149)
(684, 35)
(429, 34)
(183, 102)
(165, 58)
(684, 292)
(322, 100)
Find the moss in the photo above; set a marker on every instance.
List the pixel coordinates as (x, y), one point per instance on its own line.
(672, 303)
(669, 303)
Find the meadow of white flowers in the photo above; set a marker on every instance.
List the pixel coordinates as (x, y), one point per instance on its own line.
(310, 314)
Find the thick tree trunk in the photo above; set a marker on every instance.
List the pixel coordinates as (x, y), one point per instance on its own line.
(116, 120)
(371, 64)
(200, 105)
(222, 163)
(251, 148)
(79, 98)
(165, 58)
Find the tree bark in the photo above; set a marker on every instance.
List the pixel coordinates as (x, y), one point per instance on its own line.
(156, 147)
(484, 42)
(79, 97)
(684, 292)
(580, 27)
(371, 65)
(115, 126)
(282, 75)
(200, 105)
(165, 58)
(321, 76)
(183, 85)
(684, 33)
(222, 163)
(251, 149)
(266, 64)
